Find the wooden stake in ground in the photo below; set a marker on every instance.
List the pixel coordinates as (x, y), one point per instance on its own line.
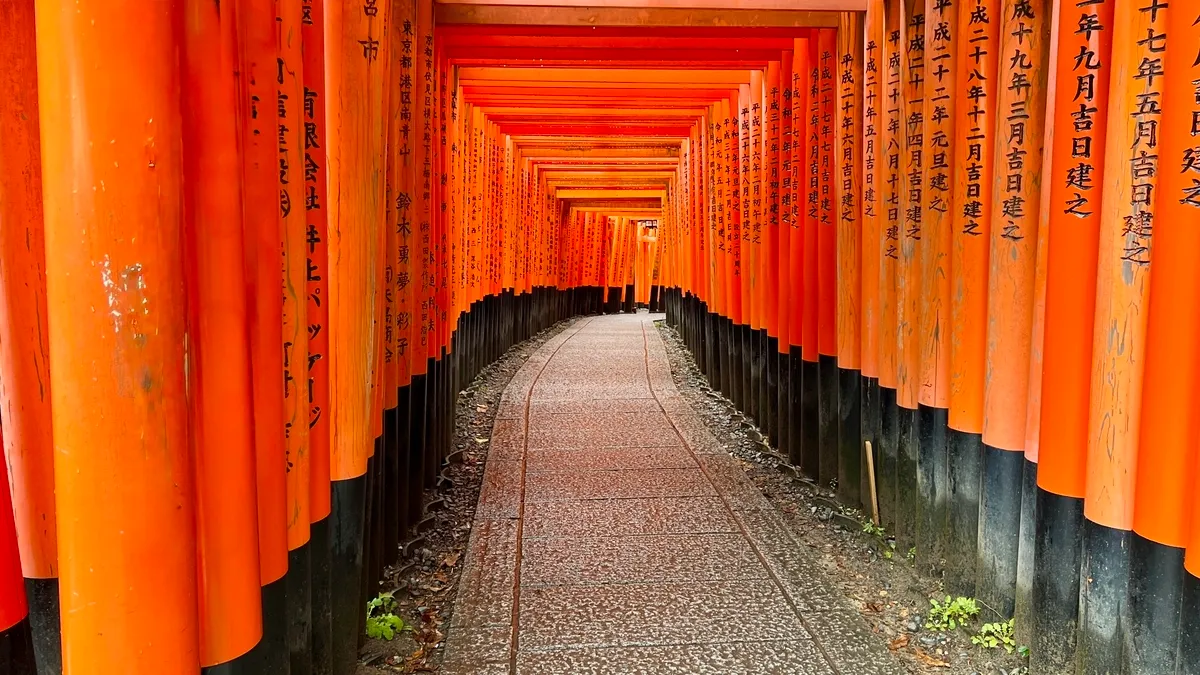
(871, 479)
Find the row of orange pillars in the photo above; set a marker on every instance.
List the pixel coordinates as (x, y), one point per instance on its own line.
(250, 253)
(941, 245)
(852, 232)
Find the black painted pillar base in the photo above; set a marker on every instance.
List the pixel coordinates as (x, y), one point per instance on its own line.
(613, 304)
(392, 487)
(827, 419)
(754, 369)
(1189, 627)
(322, 627)
(810, 420)
(743, 352)
(999, 518)
(712, 351)
(1026, 555)
(849, 437)
(298, 582)
(766, 392)
(795, 448)
(724, 348)
(907, 441)
(887, 459)
(965, 451)
(1104, 586)
(42, 597)
(933, 489)
(429, 405)
(16, 648)
(872, 429)
(770, 403)
(1156, 578)
(418, 457)
(783, 398)
(405, 518)
(270, 656)
(1058, 539)
(346, 534)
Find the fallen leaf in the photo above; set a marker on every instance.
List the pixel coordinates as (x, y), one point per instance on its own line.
(481, 441)
(450, 560)
(929, 660)
(873, 607)
(899, 643)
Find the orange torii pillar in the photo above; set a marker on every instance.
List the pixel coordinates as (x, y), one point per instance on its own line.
(810, 187)
(801, 60)
(316, 197)
(354, 83)
(754, 266)
(115, 297)
(1119, 349)
(25, 351)
(783, 408)
(264, 285)
(1075, 180)
(221, 421)
(937, 212)
(1164, 596)
(848, 214)
(977, 89)
(1025, 41)
(887, 455)
(908, 268)
(735, 222)
(290, 138)
(826, 257)
(1023, 613)
(745, 253)
(773, 128)
(872, 207)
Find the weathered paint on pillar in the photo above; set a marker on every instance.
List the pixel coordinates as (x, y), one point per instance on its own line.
(115, 298)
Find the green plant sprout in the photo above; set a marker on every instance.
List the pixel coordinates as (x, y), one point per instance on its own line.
(951, 614)
(382, 622)
(994, 635)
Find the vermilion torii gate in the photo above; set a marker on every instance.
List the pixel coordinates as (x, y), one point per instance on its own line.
(929, 225)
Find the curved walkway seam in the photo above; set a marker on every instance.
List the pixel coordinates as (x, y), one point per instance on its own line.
(514, 641)
(732, 513)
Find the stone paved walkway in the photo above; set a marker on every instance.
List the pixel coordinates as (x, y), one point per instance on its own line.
(615, 536)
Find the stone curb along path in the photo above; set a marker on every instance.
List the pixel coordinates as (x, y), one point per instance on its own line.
(614, 535)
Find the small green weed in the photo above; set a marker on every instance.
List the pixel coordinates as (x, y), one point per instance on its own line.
(951, 614)
(872, 529)
(993, 635)
(912, 554)
(382, 622)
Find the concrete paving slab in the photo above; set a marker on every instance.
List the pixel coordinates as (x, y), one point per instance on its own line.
(564, 561)
(623, 615)
(782, 657)
(624, 484)
(628, 517)
(608, 459)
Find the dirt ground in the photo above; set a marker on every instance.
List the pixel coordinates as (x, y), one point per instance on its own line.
(426, 581)
(888, 592)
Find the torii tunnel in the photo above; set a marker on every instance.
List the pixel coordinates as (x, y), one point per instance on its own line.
(948, 243)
